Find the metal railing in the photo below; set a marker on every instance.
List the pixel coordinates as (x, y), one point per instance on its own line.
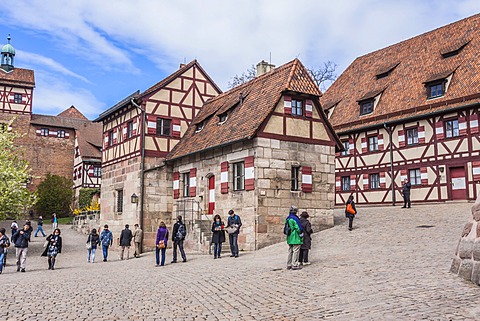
(194, 218)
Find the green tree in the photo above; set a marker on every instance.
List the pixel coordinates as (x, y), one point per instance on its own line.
(85, 196)
(55, 195)
(15, 198)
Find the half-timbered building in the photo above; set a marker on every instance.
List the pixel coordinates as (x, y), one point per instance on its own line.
(139, 132)
(257, 149)
(410, 111)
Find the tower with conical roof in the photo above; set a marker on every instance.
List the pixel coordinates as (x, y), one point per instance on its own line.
(8, 55)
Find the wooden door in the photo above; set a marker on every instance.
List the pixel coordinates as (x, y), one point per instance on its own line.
(458, 183)
(211, 194)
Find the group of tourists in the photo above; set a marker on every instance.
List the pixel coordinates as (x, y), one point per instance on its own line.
(218, 234)
(299, 238)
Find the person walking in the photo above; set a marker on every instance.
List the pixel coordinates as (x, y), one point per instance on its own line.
(178, 236)
(4, 244)
(54, 221)
(13, 228)
(126, 241)
(21, 239)
(294, 239)
(406, 193)
(350, 211)
(53, 248)
(39, 227)
(307, 238)
(233, 223)
(106, 238)
(161, 243)
(218, 236)
(93, 241)
(137, 239)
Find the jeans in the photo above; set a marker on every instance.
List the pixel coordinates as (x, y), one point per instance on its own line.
(217, 249)
(105, 252)
(406, 200)
(233, 243)
(2, 256)
(157, 256)
(293, 254)
(91, 254)
(303, 257)
(182, 251)
(39, 229)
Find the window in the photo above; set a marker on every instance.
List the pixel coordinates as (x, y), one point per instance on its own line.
(435, 90)
(374, 180)
(297, 107)
(110, 138)
(163, 127)
(222, 118)
(366, 107)
(294, 178)
(44, 132)
(130, 129)
(451, 128)
(97, 171)
(120, 201)
(346, 147)
(17, 98)
(415, 176)
(199, 127)
(412, 136)
(345, 183)
(61, 133)
(372, 143)
(186, 184)
(238, 176)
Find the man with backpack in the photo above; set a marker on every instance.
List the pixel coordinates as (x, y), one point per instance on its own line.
(178, 236)
(234, 222)
(294, 231)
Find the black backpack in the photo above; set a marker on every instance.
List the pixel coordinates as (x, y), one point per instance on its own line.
(287, 230)
(181, 232)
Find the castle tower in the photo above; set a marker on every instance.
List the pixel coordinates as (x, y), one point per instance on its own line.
(8, 54)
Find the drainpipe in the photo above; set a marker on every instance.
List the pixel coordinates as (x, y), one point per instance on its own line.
(389, 130)
(142, 169)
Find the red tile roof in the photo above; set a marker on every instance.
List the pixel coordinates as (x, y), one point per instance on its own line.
(419, 61)
(248, 106)
(18, 77)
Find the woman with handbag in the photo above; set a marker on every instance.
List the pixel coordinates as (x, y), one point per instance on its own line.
(92, 241)
(53, 248)
(161, 242)
(350, 211)
(218, 236)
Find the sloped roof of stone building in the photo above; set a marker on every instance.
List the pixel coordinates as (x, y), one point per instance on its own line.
(397, 76)
(248, 106)
(89, 138)
(18, 77)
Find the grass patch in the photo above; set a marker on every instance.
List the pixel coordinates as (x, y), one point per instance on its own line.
(65, 220)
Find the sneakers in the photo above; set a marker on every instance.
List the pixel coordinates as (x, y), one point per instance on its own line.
(289, 267)
(297, 267)
(22, 270)
(306, 263)
(185, 260)
(173, 262)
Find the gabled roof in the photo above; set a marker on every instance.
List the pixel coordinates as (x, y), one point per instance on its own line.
(89, 139)
(248, 106)
(122, 103)
(18, 77)
(72, 112)
(417, 61)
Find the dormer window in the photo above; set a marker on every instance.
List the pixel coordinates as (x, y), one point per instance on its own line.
(436, 89)
(199, 126)
(366, 107)
(297, 107)
(222, 118)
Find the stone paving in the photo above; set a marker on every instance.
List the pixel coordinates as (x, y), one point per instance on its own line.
(387, 268)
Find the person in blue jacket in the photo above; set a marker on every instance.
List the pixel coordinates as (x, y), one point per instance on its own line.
(106, 238)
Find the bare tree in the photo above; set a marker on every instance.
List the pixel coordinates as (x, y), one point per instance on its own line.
(322, 75)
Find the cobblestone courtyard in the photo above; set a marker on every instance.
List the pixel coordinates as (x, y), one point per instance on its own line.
(387, 268)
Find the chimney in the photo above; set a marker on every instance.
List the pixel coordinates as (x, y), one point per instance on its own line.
(264, 67)
(182, 65)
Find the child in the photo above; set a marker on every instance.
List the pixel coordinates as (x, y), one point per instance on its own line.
(218, 236)
(4, 244)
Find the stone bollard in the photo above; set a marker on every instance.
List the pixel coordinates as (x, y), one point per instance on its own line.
(467, 256)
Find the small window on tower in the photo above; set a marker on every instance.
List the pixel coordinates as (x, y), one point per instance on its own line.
(366, 107)
(17, 98)
(61, 133)
(44, 132)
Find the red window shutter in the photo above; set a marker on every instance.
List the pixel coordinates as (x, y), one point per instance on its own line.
(476, 171)
(383, 181)
(439, 130)
(308, 108)
(115, 135)
(135, 126)
(124, 131)
(151, 124)
(176, 184)
(176, 127)
(366, 182)
(193, 182)
(249, 173)
(287, 105)
(380, 142)
(224, 178)
(352, 146)
(338, 184)
(401, 138)
(105, 140)
(403, 175)
(353, 183)
(474, 123)
(307, 181)
(364, 145)
(421, 134)
(462, 125)
(424, 175)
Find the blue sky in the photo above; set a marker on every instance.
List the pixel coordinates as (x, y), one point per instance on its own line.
(91, 54)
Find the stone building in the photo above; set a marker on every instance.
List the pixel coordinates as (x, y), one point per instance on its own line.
(48, 141)
(258, 149)
(410, 111)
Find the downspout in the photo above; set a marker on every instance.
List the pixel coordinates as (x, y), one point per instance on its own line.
(391, 162)
(142, 170)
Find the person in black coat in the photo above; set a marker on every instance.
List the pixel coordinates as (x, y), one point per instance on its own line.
(307, 239)
(53, 248)
(218, 236)
(125, 241)
(350, 216)
(94, 240)
(21, 239)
